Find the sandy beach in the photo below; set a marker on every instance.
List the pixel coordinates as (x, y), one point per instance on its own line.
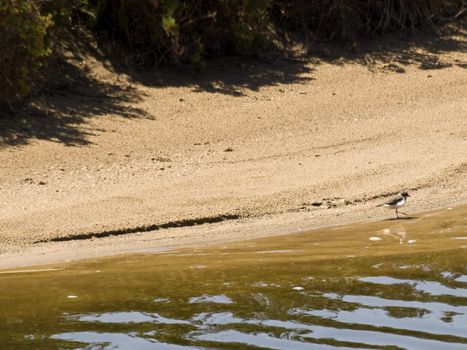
(164, 159)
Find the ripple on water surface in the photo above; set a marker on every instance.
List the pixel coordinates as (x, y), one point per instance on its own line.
(395, 285)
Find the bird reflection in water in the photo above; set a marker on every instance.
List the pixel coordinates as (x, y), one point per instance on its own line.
(397, 232)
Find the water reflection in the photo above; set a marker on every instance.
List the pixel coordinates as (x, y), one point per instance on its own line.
(118, 341)
(128, 317)
(330, 289)
(266, 340)
(429, 287)
(397, 232)
(398, 319)
(462, 278)
(217, 299)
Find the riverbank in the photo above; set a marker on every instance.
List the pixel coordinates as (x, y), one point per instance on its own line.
(243, 151)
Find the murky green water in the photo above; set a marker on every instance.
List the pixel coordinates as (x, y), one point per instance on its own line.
(386, 285)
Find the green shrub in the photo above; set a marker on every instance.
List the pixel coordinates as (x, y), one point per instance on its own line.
(23, 47)
(349, 19)
(174, 31)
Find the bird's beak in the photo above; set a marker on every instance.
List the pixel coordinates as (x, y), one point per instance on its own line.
(408, 195)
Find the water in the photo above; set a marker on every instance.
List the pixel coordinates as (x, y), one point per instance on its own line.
(385, 285)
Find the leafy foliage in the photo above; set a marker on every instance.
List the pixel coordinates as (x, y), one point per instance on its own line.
(23, 47)
(161, 31)
(174, 31)
(349, 19)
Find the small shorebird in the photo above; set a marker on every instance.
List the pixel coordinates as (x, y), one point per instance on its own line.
(396, 202)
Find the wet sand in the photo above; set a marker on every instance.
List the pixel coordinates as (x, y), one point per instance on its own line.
(242, 152)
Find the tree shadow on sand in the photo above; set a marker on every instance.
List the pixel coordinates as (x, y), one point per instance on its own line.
(60, 111)
(395, 53)
(236, 76)
(72, 97)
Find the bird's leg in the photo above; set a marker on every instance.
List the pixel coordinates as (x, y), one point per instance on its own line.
(397, 213)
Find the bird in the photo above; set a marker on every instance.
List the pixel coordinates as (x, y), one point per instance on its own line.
(396, 202)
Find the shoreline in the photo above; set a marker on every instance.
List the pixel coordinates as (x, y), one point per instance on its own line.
(59, 254)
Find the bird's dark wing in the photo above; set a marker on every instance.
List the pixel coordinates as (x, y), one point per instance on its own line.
(394, 201)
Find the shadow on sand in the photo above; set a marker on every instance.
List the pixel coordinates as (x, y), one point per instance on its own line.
(236, 76)
(71, 97)
(59, 112)
(402, 218)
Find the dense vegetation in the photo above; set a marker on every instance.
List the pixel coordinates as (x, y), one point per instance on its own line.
(23, 46)
(183, 31)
